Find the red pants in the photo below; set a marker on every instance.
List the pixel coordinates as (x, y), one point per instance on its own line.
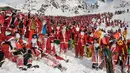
(30, 35)
(79, 49)
(63, 47)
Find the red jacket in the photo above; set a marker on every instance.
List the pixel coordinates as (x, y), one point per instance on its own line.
(64, 37)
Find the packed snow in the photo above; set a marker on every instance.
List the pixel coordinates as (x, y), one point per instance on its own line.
(75, 65)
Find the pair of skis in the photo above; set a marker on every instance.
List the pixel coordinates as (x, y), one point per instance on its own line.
(25, 69)
(99, 65)
(106, 60)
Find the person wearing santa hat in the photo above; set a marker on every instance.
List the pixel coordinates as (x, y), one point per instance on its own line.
(76, 38)
(115, 53)
(21, 26)
(122, 51)
(13, 21)
(64, 38)
(6, 46)
(52, 61)
(57, 37)
(32, 28)
(48, 43)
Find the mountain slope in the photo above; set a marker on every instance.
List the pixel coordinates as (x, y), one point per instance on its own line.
(59, 7)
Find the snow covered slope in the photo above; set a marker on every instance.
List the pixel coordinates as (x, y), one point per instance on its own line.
(59, 7)
(72, 7)
(5, 5)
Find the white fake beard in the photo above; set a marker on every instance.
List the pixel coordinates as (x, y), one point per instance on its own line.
(7, 33)
(91, 35)
(82, 33)
(52, 44)
(63, 30)
(34, 41)
(58, 28)
(77, 28)
(17, 35)
(114, 45)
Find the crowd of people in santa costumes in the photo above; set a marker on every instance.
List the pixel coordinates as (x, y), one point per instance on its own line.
(28, 37)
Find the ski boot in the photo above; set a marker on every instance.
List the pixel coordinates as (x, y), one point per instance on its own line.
(61, 68)
(1, 63)
(35, 66)
(95, 66)
(22, 68)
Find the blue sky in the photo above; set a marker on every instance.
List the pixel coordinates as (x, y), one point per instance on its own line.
(2, 0)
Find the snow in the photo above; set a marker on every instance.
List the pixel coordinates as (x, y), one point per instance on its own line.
(74, 66)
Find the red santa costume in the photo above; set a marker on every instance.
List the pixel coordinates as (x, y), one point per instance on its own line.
(2, 35)
(33, 28)
(6, 46)
(64, 38)
(50, 60)
(41, 42)
(115, 54)
(48, 44)
(80, 44)
(122, 49)
(35, 48)
(76, 38)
